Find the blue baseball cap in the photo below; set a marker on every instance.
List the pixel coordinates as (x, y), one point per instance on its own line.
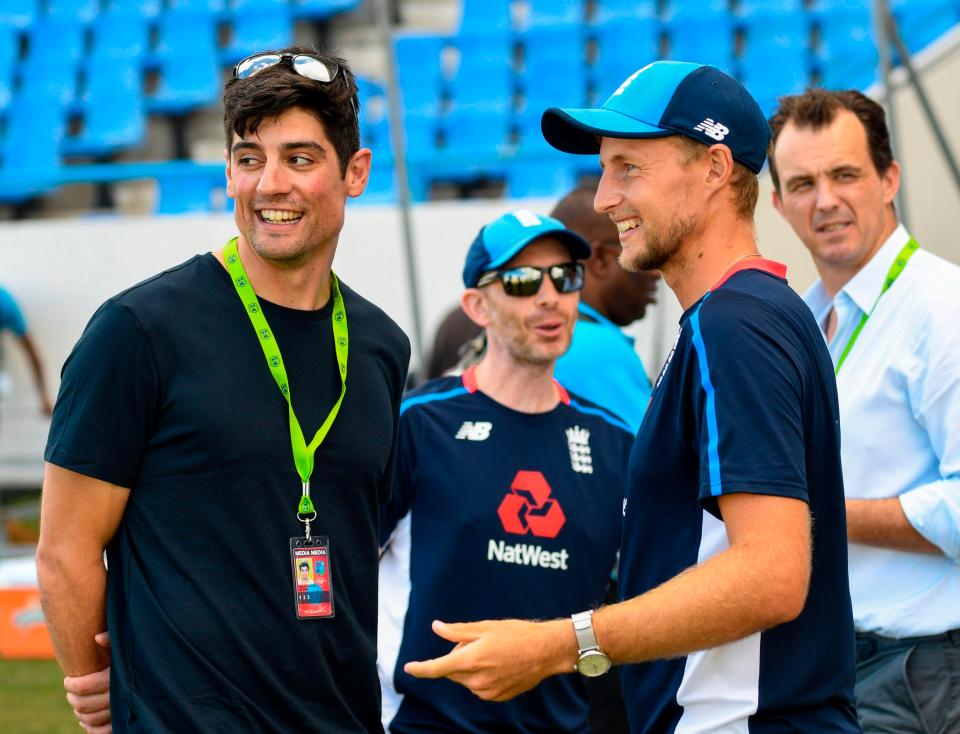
(668, 98)
(504, 237)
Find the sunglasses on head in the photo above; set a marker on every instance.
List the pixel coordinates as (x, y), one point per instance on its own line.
(314, 67)
(527, 279)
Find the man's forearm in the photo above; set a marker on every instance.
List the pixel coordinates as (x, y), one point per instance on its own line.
(719, 601)
(72, 592)
(881, 523)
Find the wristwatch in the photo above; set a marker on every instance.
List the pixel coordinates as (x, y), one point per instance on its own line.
(592, 661)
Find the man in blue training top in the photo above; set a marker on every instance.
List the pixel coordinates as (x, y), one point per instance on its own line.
(740, 621)
(507, 491)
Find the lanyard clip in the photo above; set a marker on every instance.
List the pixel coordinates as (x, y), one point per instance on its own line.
(306, 512)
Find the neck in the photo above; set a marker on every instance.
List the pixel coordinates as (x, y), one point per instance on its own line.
(526, 388)
(304, 286)
(703, 259)
(834, 276)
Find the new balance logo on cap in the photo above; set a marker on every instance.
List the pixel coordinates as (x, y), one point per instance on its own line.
(474, 431)
(716, 130)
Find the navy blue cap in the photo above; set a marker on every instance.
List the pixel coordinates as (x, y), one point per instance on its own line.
(668, 98)
(499, 241)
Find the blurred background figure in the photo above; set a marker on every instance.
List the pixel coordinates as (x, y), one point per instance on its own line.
(602, 363)
(456, 338)
(11, 319)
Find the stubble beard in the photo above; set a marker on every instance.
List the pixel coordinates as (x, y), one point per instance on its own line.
(661, 243)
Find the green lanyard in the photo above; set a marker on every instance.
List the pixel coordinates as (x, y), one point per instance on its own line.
(898, 265)
(302, 452)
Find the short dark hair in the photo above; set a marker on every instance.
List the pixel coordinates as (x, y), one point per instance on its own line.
(817, 108)
(269, 93)
(744, 183)
(304, 564)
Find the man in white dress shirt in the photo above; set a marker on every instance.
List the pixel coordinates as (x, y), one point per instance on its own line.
(889, 311)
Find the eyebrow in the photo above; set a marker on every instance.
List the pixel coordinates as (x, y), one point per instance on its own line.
(845, 167)
(294, 145)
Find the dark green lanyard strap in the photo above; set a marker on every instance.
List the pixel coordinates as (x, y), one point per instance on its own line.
(898, 265)
(303, 453)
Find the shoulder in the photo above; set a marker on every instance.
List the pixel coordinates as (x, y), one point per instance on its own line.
(752, 303)
(599, 417)
(432, 395)
(178, 281)
(366, 318)
(930, 299)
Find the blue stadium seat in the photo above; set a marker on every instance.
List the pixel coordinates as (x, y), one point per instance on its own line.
(776, 60)
(419, 72)
(189, 191)
(320, 9)
(704, 37)
(375, 134)
(120, 36)
(607, 11)
(922, 21)
(55, 49)
(29, 150)
(847, 56)
(8, 64)
(205, 7)
(474, 142)
(538, 169)
(555, 13)
(769, 7)
(143, 8)
(18, 13)
(255, 28)
(244, 6)
(113, 115)
(555, 69)
(484, 76)
(485, 16)
(186, 58)
(616, 60)
(675, 10)
(77, 10)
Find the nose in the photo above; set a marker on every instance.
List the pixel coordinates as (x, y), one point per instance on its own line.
(826, 196)
(548, 296)
(607, 196)
(273, 179)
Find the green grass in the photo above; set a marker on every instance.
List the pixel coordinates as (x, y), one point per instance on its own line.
(32, 699)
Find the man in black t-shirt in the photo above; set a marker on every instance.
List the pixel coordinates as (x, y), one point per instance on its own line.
(180, 450)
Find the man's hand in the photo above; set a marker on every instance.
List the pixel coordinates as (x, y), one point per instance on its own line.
(89, 695)
(500, 660)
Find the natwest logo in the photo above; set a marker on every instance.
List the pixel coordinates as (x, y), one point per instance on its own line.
(529, 509)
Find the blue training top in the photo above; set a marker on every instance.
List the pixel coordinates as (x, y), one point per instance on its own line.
(746, 402)
(495, 513)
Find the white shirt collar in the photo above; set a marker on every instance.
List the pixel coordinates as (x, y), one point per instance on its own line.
(864, 287)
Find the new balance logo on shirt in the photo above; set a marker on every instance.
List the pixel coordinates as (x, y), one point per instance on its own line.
(474, 431)
(578, 441)
(716, 130)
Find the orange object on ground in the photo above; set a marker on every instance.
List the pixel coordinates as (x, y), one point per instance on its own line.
(23, 630)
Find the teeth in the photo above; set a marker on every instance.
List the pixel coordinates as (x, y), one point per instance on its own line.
(279, 215)
(627, 224)
(833, 227)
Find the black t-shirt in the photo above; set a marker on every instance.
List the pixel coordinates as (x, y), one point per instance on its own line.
(168, 393)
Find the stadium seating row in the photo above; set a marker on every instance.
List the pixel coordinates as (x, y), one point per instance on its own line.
(79, 78)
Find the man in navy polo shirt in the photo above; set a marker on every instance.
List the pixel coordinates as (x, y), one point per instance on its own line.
(507, 491)
(733, 562)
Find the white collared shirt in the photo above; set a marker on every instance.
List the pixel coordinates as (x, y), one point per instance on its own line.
(899, 392)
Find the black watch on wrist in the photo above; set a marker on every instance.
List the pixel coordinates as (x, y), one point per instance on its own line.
(591, 661)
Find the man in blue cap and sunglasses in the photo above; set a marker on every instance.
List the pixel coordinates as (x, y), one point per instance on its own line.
(736, 614)
(507, 492)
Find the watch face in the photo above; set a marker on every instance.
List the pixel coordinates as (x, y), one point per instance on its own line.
(593, 663)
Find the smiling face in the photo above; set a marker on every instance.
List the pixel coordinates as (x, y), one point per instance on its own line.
(536, 329)
(832, 194)
(647, 190)
(286, 183)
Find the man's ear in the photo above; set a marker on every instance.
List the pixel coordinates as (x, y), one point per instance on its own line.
(777, 201)
(231, 189)
(601, 260)
(474, 305)
(720, 165)
(358, 172)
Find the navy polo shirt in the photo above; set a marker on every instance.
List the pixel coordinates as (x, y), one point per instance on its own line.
(746, 402)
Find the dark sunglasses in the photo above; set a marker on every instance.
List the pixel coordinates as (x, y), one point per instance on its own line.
(526, 279)
(318, 68)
